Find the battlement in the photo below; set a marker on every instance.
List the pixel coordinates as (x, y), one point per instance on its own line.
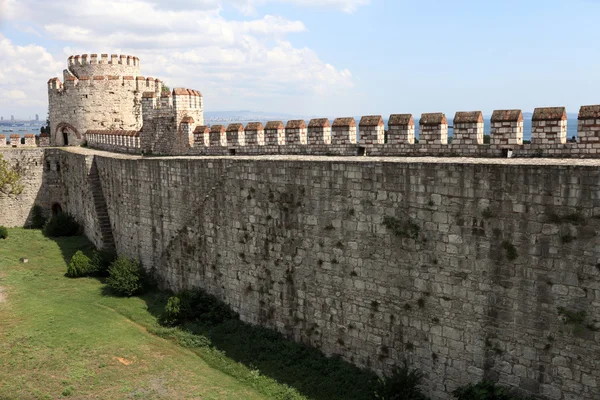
(104, 82)
(113, 59)
(15, 140)
(103, 64)
(320, 137)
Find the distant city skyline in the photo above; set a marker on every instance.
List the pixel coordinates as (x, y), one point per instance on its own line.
(331, 57)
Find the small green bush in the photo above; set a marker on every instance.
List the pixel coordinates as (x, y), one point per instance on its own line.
(37, 217)
(403, 384)
(79, 266)
(485, 390)
(3, 232)
(61, 224)
(126, 277)
(195, 305)
(101, 261)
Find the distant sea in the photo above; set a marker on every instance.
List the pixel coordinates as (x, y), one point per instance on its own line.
(31, 127)
(20, 128)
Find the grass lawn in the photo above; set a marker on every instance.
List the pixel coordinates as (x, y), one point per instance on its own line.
(62, 337)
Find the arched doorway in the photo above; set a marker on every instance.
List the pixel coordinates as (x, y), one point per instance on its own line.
(56, 209)
(65, 134)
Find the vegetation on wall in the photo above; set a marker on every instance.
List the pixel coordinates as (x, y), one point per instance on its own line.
(9, 179)
(402, 228)
(486, 390)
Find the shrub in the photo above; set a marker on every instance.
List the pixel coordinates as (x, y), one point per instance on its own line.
(126, 276)
(101, 261)
(3, 232)
(79, 266)
(195, 305)
(403, 384)
(61, 224)
(37, 217)
(485, 390)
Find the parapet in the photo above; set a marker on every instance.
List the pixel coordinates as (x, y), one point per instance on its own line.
(372, 130)
(120, 141)
(549, 125)
(589, 112)
(92, 65)
(468, 117)
(401, 129)
(549, 114)
(506, 127)
(433, 129)
(343, 131)
(319, 123)
(202, 135)
(507, 116)
(401, 120)
(468, 128)
(105, 82)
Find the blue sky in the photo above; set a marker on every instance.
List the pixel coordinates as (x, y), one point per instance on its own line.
(318, 57)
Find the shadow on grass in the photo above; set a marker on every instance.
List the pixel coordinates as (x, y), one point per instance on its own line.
(303, 368)
(69, 245)
(294, 364)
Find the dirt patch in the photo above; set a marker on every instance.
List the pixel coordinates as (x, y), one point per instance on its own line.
(2, 294)
(122, 360)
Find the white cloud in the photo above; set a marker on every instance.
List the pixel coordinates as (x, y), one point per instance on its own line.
(24, 71)
(189, 43)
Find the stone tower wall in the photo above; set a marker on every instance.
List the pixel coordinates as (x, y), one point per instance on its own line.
(97, 93)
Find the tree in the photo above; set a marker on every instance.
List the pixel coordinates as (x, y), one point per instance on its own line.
(165, 88)
(9, 179)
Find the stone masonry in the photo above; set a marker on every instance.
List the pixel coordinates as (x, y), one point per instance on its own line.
(549, 125)
(106, 93)
(467, 268)
(507, 127)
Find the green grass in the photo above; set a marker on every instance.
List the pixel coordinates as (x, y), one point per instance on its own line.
(63, 337)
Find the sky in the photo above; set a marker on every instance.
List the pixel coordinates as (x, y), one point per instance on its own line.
(329, 58)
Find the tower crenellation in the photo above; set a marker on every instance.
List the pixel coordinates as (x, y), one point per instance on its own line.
(107, 92)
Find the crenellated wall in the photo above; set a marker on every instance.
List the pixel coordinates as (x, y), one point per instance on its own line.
(112, 65)
(461, 267)
(97, 93)
(468, 268)
(549, 127)
(170, 120)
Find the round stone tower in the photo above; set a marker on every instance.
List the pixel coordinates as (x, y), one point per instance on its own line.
(98, 93)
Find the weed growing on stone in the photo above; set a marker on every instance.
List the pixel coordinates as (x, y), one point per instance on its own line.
(485, 390)
(487, 213)
(403, 229)
(510, 249)
(567, 238)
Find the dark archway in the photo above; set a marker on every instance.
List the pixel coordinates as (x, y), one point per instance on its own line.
(59, 134)
(56, 209)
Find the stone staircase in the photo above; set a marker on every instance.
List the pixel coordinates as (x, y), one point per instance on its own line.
(101, 208)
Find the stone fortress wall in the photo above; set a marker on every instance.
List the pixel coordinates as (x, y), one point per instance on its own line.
(467, 268)
(369, 138)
